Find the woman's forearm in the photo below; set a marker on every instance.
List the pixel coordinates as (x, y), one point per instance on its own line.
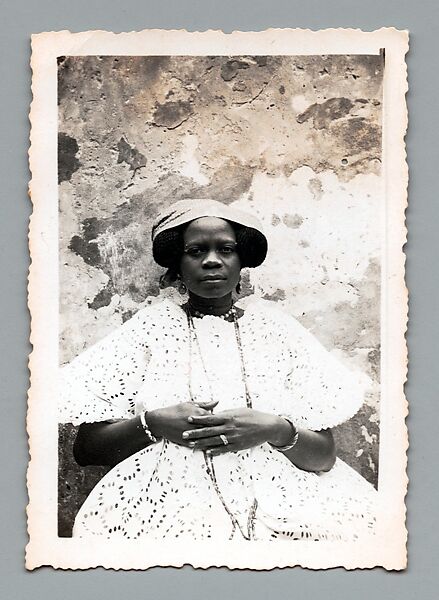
(314, 450)
(108, 443)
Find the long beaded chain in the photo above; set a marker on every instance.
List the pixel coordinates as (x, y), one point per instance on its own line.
(248, 399)
(208, 459)
(193, 333)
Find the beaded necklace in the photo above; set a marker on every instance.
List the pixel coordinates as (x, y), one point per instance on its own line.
(208, 459)
(226, 316)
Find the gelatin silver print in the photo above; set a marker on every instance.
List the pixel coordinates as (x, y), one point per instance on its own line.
(226, 294)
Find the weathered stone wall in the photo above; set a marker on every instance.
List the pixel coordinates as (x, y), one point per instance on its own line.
(295, 139)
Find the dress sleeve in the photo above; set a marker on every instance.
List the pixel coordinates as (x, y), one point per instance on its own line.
(103, 381)
(321, 392)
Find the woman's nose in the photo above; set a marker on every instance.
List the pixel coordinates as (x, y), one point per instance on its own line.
(212, 260)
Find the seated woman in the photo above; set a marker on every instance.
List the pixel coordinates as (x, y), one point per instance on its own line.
(216, 420)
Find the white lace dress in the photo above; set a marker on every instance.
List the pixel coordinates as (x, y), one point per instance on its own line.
(169, 490)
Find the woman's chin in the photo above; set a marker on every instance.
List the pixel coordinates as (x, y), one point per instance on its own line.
(212, 290)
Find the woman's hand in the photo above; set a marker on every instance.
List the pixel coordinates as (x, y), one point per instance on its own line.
(243, 428)
(170, 422)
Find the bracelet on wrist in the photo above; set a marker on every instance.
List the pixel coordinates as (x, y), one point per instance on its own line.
(146, 429)
(292, 441)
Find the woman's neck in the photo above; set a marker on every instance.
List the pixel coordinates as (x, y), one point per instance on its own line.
(211, 306)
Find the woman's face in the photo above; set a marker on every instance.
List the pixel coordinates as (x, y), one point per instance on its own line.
(210, 265)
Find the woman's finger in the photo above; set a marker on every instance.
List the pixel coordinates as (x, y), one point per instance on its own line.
(207, 420)
(202, 432)
(210, 405)
(210, 442)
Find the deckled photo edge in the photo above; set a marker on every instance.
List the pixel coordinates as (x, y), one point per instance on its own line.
(46, 47)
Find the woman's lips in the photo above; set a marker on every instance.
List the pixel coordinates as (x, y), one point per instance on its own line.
(212, 278)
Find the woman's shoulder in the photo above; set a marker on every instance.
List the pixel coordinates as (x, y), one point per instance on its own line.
(141, 330)
(268, 316)
(159, 310)
(148, 319)
(269, 311)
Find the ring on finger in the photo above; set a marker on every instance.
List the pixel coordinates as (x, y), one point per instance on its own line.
(224, 439)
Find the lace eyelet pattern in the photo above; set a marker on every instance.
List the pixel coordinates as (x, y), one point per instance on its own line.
(166, 490)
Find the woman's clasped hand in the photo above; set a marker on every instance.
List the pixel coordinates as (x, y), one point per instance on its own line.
(236, 429)
(193, 425)
(171, 422)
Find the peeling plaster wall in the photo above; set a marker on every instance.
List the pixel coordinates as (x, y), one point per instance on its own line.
(295, 139)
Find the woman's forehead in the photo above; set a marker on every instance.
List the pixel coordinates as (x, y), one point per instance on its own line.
(209, 227)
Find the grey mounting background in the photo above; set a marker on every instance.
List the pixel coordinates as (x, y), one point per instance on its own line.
(19, 20)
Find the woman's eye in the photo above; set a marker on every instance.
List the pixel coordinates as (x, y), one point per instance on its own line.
(194, 251)
(227, 249)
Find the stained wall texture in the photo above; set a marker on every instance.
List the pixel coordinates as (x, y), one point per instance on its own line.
(297, 140)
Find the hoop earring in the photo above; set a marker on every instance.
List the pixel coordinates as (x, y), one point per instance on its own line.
(182, 288)
(238, 287)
